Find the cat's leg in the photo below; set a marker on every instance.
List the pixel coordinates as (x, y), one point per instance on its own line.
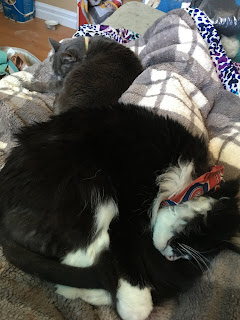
(61, 103)
(52, 86)
(133, 302)
(85, 257)
(96, 297)
(56, 104)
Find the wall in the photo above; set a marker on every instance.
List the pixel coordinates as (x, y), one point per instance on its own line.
(70, 5)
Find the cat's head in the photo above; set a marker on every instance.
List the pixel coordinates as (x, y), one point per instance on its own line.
(216, 230)
(66, 55)
(200, 226)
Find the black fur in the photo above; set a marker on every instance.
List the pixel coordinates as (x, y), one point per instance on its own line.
(100, 276)
(45, 197)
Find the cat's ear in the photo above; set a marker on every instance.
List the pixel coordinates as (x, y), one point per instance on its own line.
(68, 57)
(54, 44)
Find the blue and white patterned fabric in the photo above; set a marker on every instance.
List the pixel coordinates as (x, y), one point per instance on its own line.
(226, 70)
(120, 35)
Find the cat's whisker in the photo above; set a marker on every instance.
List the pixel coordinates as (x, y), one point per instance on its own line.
(208, 273)
(189, 253)
(200, 259)
(193, 256)
(208, 251)
(199, 254)
(183, 253)
(205, 261)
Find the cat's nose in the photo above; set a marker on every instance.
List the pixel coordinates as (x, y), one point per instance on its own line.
(173, 258)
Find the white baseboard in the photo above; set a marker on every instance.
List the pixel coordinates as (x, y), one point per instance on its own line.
(64, 17)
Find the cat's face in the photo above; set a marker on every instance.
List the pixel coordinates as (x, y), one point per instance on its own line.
(66, 55)
(206, 234)
(202, 225)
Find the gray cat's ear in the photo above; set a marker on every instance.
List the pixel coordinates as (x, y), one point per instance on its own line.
(54, 44)
(68, 57)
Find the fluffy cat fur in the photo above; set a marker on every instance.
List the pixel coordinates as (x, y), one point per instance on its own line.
(80, 206)
(80, 195)
(101, 70)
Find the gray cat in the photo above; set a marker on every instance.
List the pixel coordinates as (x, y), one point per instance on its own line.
(87, 68)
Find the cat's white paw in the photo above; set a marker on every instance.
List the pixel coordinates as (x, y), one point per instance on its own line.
(96, 297)
(133, 303)
(68, 292)
(3, 145)
(28, 85)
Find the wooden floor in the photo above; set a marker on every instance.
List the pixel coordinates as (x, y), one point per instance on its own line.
(32, 36)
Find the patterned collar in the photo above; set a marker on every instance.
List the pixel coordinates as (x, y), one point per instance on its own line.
(203, 184)
(86, 40)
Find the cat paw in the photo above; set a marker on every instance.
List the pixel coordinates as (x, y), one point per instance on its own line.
(97, 297)
(133, 303)
(68, 292)
(35, 86)
(28, 85)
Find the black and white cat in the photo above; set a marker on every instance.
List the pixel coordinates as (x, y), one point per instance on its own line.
(81, 195)
(86, 188)
(88, 70)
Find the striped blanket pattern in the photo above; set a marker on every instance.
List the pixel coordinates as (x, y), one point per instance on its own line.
(180, 82)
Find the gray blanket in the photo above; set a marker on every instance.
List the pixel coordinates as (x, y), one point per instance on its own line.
(179, 82)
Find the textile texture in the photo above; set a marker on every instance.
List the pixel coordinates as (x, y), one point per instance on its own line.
(120, 35)
(180, 82)
(226, 69)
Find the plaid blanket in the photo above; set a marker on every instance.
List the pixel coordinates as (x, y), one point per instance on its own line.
(180, 82)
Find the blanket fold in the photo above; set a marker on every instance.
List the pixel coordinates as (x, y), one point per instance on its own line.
(180, 82)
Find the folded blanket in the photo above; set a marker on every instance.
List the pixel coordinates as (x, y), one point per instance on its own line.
(179, 82)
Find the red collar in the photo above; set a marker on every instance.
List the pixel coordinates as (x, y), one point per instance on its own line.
(208, 181)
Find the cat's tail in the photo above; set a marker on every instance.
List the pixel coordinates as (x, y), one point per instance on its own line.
(98, 276)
